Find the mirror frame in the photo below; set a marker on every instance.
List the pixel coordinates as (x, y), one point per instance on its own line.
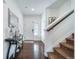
(10, 14)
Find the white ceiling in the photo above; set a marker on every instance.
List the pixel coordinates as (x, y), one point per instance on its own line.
(38, 5)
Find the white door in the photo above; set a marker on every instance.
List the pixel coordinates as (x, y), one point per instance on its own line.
(36, 31)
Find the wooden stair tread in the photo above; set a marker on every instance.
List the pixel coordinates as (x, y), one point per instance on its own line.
(52, 55)
(68, 45)
(70, 58)
(71, 39)
(63, 53)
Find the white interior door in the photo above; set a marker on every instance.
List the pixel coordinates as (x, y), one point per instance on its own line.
(36, 31)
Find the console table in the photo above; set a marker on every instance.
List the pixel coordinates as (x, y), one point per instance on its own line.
(11, 42)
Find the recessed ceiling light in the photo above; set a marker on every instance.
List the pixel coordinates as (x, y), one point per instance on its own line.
(33, 9)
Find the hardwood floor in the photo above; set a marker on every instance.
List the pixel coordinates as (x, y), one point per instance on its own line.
(32, 50)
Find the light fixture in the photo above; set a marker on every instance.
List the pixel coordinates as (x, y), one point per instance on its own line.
(33, 9)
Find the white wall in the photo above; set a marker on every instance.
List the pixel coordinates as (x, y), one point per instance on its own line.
(5, 30)
(14, 8)
(62, 30)
(58, 9)
(43, 25)
(28, 26)
(67, 5)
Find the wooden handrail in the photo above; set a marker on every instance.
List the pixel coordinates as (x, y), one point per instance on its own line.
(58, 20)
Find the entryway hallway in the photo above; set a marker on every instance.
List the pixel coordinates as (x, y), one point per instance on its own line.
(38, 29)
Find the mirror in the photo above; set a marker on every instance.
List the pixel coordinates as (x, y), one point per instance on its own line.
(12, 23)
(12, 20)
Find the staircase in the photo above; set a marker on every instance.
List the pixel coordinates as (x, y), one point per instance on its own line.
(65, 51)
